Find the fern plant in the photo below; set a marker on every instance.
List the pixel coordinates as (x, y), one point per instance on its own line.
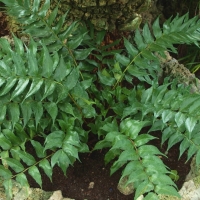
(48, 90)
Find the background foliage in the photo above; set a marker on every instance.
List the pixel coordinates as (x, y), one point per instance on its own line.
(50, 88)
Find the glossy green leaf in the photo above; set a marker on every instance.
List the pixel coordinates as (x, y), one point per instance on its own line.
(122, 59)
(167, 115)
(131, 127)
(5, 173)
(82, 54)
(68, 31)
(32, 63)
(174, 138)
(137, 175)
(35, 86)
(190, 123)
(147, 34)
(36, 4)
(191, 151)
(148, 150)
(14, 112)
(21, 86)
(188, 102)
(143, 139)
(70, 150)
(35, 174)
(39, 149)
(151, 196)
(37, 109)
(54, 139)
(11, 136)
(49, 88)
(2, 81)
(89, 111)
(3, 110)
(157, 47)
(18, 64)
(106, 78)
(19, 49)
(26, 157)
(102, 144)
(167, 133)
(32, 46)
(144, 187)
(130, 48)
(5, 143)
(60, 23)
(45, 7)
(194, 107)
(159, 179)
(139, 40)
(75, 42)
(166, 190)
(148, 55)
(62, 70)
(100, 36)
(67, 108)
(5, 45)
(198, 158)
(111, 154)
(131, 167)
(72, 79)
(156, 28)
(9, 85)
(63, 162)
(47, 63)
(55, 157)
(180, 118)
(52, 16)
(8, 185)
(174, 175)
(22, 180)
(44, 164)
(21, 134)
(14, 164)
(184, 146)
(116, 166)
(4, 69)
(153, 164)
(26, 111)
(86, 83)
(52, 109)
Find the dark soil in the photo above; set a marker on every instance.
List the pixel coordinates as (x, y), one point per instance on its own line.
(92, 169)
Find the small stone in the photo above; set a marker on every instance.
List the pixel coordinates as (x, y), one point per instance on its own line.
(91, 185)
(129, 189)
(57, 195)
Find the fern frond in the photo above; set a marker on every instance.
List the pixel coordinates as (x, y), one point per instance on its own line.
(141, 164)
(38, 20)
(140, 60)
(175, 112)
(36, 92)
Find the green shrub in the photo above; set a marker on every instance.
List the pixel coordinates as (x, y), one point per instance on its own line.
(48, 90)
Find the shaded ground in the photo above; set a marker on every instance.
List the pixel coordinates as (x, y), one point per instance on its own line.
(93, 169)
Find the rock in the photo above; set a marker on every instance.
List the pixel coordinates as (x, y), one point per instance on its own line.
(25, 193)
(129, 189)
(91, 185)
(57, 195)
